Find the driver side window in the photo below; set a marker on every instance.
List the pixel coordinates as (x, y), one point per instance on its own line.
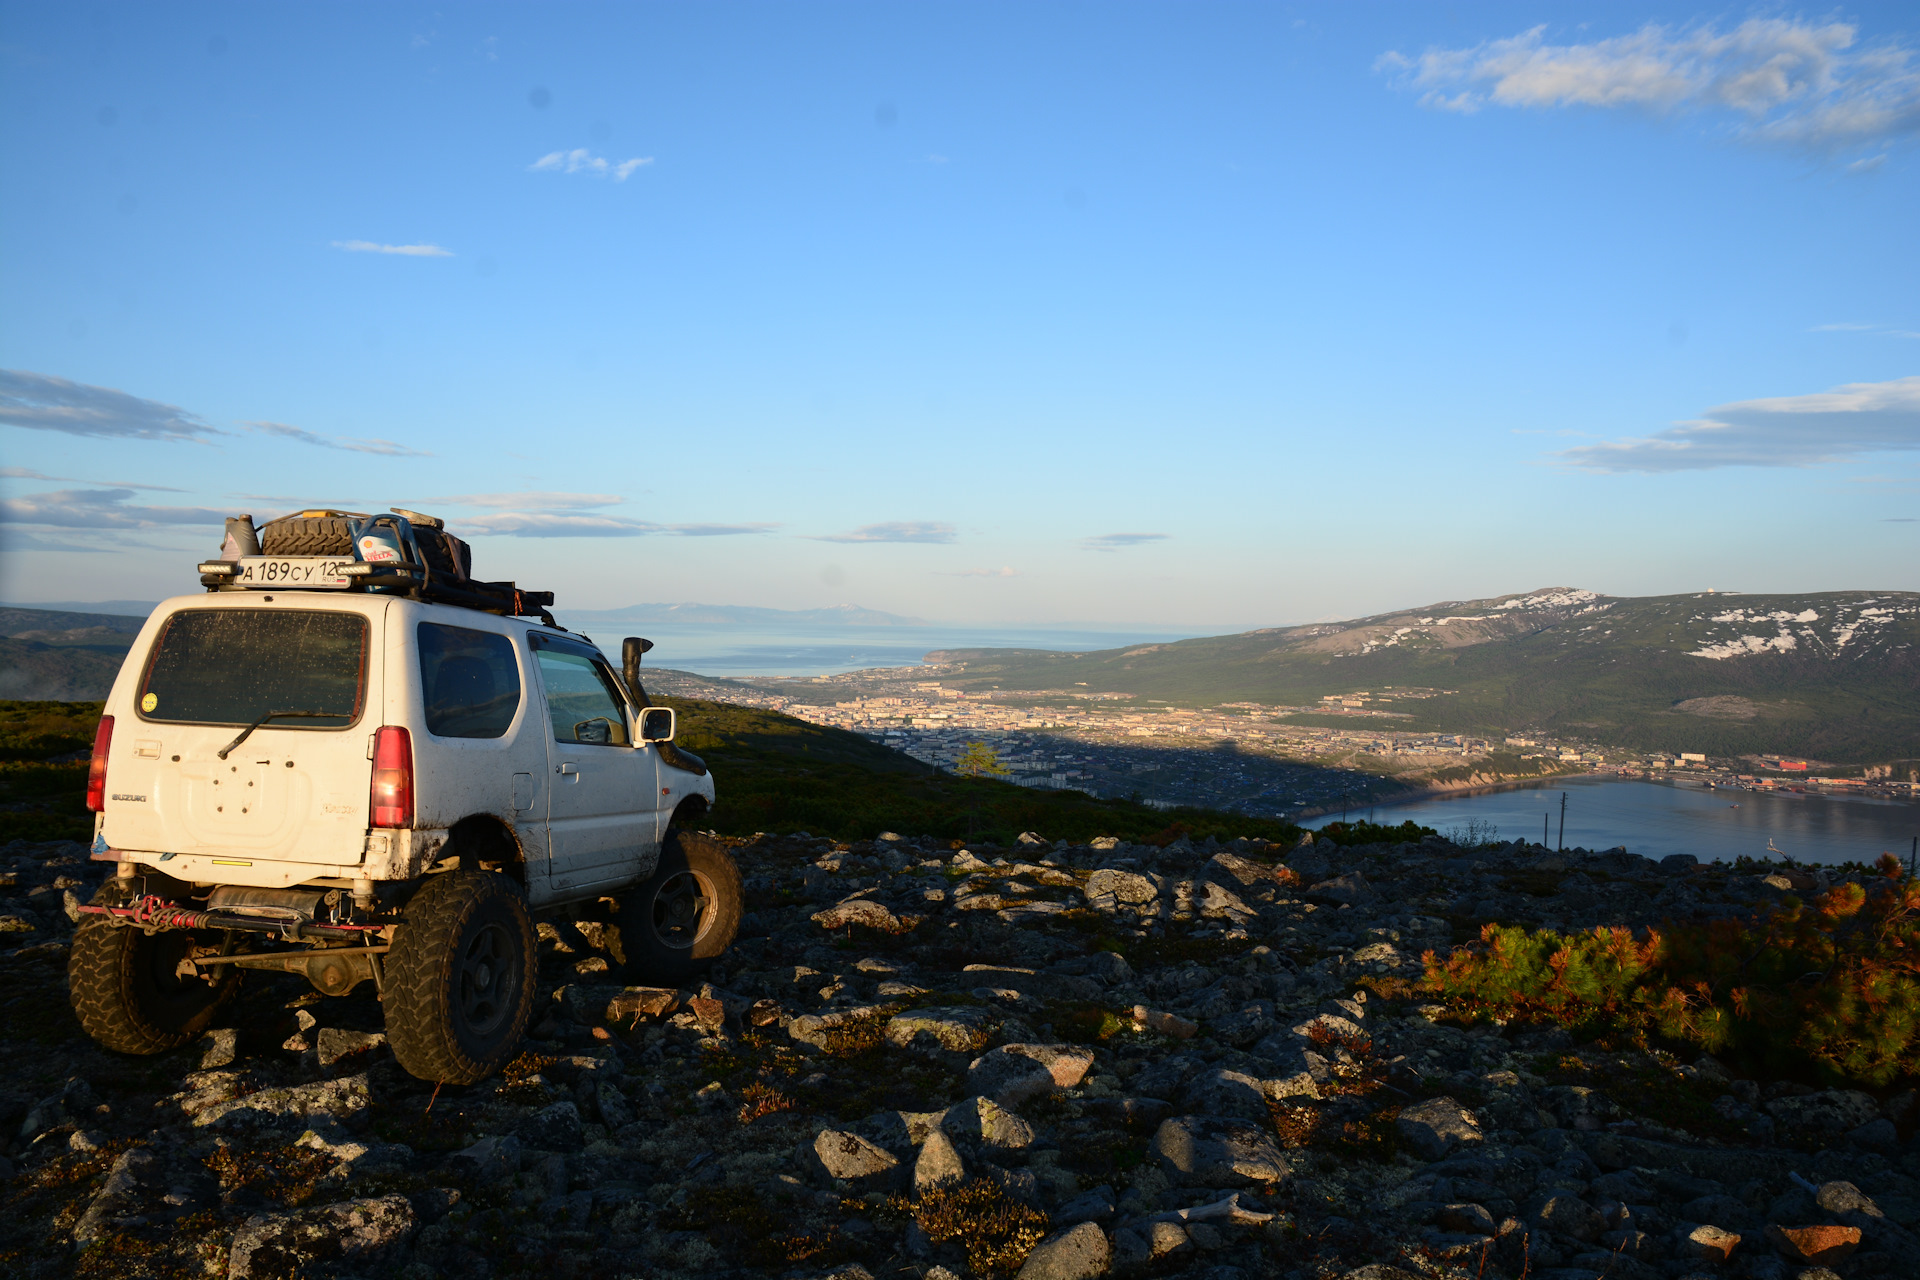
(581, 704)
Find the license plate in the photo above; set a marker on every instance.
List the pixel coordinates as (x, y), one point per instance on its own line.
(292, 571)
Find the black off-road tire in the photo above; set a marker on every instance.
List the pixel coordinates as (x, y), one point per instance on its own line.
(126, 992)
(683, 917)
(307, 536)
(459, 982)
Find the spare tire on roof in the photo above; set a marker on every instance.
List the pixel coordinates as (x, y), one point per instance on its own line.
(447, 556)
(303, 535)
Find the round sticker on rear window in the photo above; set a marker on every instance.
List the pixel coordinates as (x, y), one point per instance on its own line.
(149, 702)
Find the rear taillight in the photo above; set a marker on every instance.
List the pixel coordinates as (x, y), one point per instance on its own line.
(97, 770)
(391, 799)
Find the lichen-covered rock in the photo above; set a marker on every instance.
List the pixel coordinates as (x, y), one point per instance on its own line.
(361, 1234)
(1828, 1115)
(554, 1128)
(1818, 1245)
(848, 1157)
(985, 1121)
(1108, 890)
(1219, 1151)
(866, 912)
(332, 1044)
(1009, 1078)
(1220, 1092)
(1014, 1073)
(1437, 1126)
(960, 1029)
(939, 1163)
(1709, 1243)
(345, 1099)
(1078, 1253)
(120, 1196)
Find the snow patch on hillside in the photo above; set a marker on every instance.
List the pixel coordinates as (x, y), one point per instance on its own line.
(1740, 646)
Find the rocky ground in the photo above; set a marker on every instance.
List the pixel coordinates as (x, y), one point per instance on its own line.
(934, 1062)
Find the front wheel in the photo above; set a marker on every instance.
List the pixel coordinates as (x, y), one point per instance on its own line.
(674, 924)
(460, 978)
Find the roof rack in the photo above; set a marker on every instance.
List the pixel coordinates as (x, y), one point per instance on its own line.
(400, 568)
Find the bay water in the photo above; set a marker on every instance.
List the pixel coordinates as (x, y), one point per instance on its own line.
(1661, 818)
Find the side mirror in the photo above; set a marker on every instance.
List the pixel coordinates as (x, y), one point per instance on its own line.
(630, 650)
(656, 724)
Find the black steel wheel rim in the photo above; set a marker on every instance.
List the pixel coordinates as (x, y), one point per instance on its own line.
(484, 979)
(683, 910)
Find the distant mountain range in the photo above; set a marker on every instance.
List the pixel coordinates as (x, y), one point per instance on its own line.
(1832, 675)
(52, 655)
(641, 615)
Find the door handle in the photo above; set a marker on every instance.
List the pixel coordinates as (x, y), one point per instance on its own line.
(569, 767)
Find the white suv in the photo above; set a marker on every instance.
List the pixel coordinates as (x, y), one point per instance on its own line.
(355, 782)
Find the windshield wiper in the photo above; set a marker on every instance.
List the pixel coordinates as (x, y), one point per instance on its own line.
(275, 715)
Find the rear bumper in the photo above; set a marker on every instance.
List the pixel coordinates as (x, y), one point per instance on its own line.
(386, 855)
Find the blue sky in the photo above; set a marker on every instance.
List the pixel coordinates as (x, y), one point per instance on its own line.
(1170, 314)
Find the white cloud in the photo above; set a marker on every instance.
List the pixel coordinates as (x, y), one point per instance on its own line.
(1877, 329)
(534, 498)
(99, 509)
(385, 448)
(1004, 571)
(404, 250)
(42, 402)
(1114, 541)
(580, 160)
(25, 473)
(560, 524)
(1779, 79)
(895, 531)
(1782, 431)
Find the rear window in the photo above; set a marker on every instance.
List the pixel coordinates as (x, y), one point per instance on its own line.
(232, 666)
(470, 680)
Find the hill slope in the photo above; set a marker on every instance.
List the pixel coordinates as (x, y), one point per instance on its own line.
(1833, 675)
(53, 655)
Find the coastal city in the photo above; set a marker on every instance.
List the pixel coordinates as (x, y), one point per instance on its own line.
(1340, 755)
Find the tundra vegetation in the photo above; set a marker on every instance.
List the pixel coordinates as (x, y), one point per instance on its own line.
(1178, 1045)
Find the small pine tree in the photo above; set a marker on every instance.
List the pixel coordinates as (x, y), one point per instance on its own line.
(980, 761)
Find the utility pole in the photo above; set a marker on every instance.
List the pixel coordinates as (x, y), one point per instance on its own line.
(1563, 822)
(1544, 820)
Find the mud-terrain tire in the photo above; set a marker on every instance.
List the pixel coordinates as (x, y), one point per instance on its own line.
(125, 990)
(678, 921)
(459, 982)
(307, 536)
(442, 557)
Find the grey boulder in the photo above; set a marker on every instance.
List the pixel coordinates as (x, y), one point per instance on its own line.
(1437, 1126)
(1218, 1151)
(363, 1234)
(1078, 1253)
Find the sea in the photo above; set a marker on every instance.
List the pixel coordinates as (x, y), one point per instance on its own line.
(1661, 818)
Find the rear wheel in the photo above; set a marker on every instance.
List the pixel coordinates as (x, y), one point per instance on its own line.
(460, 978)
(127, 989)
(679, 920)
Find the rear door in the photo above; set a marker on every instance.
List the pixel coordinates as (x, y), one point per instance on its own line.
(600, 787)
(293, 788)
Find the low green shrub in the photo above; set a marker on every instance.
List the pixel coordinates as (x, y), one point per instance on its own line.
(1351, 833)
(1829, 987)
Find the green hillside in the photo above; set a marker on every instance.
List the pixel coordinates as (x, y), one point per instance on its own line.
(51, 654)
(1834, 676)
